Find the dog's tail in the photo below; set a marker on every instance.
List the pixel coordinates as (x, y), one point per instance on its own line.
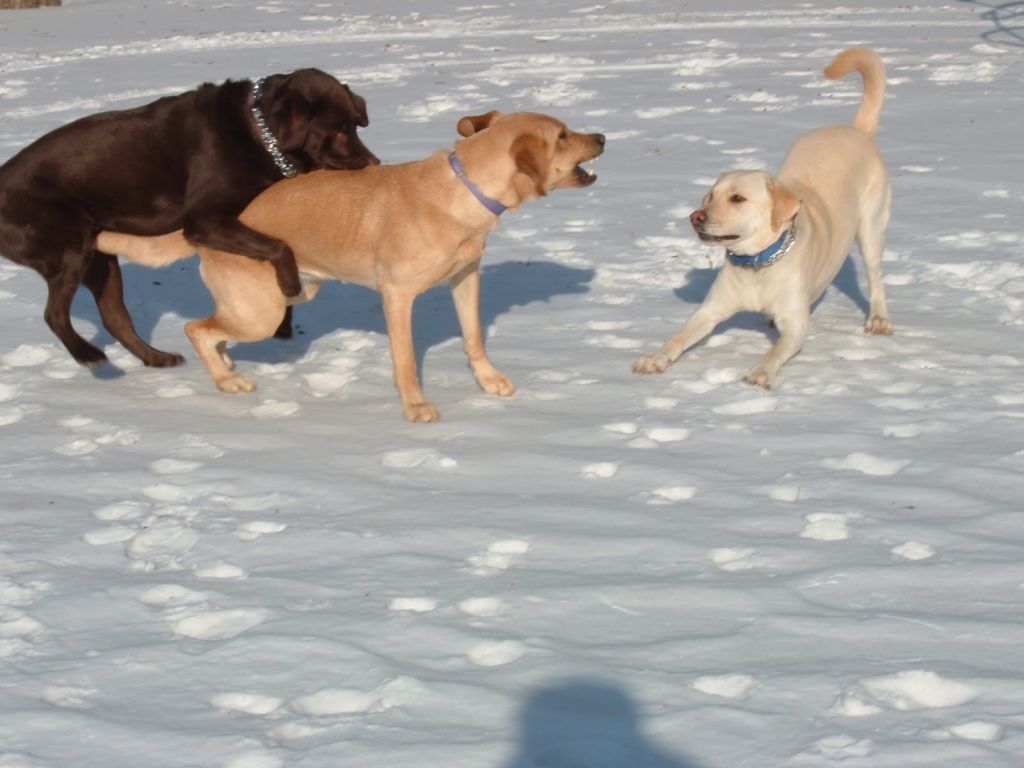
(158, 251)
(866, 62)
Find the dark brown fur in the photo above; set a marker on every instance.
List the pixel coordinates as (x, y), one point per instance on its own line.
(192, 161)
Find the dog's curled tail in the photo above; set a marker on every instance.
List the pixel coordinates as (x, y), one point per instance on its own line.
(866, 62)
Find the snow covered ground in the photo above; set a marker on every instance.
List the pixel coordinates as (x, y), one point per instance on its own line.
(606, 571)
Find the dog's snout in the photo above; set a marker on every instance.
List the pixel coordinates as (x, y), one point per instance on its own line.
(698, 218)
(599, 138)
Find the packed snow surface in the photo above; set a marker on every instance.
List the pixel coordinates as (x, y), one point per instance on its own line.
(606, 570)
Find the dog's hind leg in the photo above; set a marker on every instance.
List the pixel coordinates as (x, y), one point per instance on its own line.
(63, 284)
(249, 308)
(871, 241)
(103, 278)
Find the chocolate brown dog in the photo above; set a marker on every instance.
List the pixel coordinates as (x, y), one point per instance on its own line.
(190, 162)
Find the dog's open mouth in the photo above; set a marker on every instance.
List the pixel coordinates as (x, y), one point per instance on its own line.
(585, 176)
(707, 238)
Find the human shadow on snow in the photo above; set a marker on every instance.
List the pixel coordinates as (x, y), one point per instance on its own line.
(150, 294)
(589, 723)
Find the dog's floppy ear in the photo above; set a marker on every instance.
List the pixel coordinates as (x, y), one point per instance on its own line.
(471, 124)
(785, 204)
(530, 154)
(288, 112)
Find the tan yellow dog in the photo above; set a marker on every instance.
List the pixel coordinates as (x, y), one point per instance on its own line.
(400, 229)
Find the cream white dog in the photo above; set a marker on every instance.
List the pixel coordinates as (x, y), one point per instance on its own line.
(787, 237)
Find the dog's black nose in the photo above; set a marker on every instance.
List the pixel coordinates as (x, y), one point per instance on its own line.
(698, 217)
(598, 137)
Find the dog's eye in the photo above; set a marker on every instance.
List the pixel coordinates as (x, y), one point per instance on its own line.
(563, 135)
(737, 199)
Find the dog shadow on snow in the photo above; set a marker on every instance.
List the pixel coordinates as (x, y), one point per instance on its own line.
(178, 290)
(698, 283)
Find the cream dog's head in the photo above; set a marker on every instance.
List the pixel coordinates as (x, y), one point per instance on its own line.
(745, 211)
(524, 155)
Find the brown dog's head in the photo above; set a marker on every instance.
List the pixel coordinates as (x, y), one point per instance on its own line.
(524, 155)
(315, 118)
(744, 211)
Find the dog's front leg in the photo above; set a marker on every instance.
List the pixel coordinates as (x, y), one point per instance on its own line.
(792, 326)
(224, 232)
(723, 301)
(466, 293)
(398, 317)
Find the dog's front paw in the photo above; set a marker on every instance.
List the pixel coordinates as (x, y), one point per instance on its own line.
(235, 383)
(656, 363)
(496, 383)
(421, 412)
(878, 326)
(759, 378)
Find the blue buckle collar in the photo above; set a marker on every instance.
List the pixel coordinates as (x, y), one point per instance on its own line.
(489, 203)
(769, 255)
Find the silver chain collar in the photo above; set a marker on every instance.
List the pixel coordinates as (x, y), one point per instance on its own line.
(266, 135)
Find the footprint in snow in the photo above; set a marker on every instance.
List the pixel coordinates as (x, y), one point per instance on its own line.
(827, 526)
(867, 464)
(660, 403)
(171, 596)
(914, 550)
(747, 406)
(246, 703)
(841, 747)
(412, 604)
(12, 414)
(172, 391)
(496, 653)
(735, 686)
(17, 629)
(500, 555)
(218, 625)
(272, 409)
(790, 493)
(977, 730)
(68, 696)
(917, 689)
(347, 701)
(173, 466)
(161, 544)
(671, 494)
(621, 428)
(733, 559)
(255, 759)
(121, 510)
(254, 529)
(417, 457)
(482, 607)
(219, 571)
(601, 469)
(27, 356)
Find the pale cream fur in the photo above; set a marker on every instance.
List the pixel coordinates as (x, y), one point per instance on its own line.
(400, 229)
(834, 188)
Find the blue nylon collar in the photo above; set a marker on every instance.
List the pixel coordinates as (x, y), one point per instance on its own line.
(489, 203)
(765, 257)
